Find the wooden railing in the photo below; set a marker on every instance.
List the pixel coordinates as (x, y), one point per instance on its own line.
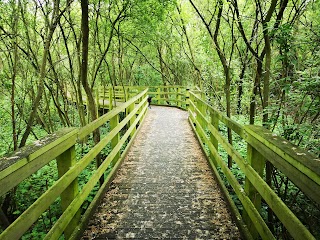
(302, 168)
(109, 96)
(61, 146)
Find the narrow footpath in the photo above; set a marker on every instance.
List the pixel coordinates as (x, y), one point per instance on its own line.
(164, 188)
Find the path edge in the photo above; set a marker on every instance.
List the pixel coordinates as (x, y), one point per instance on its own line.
(79, 230)
(235, 214)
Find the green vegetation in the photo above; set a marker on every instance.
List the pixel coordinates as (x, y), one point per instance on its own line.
(257, 61)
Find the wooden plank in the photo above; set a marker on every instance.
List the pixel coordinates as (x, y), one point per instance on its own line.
(165, 93)
(35, 157)
(257, 220)
(27, 218)
(89, 211)
(64, 162)
(67, 216)
(213, 164)
(297, 157)
(257, 162)
(101, 120)
(306, 184)
(215, 123)
(114, 141)
(236, 127)
(290, 221)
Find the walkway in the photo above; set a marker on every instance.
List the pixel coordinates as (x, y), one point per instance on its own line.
(164, 188)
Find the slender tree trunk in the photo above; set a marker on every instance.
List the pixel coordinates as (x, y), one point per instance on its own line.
(84, 74)
(223, 60)
(196, 69)
(40, 84)
(256, 84)
(13, 81)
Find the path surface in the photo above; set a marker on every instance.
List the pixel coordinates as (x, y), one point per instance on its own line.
(164, 188)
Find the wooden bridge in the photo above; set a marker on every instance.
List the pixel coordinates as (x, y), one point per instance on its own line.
(168, 182)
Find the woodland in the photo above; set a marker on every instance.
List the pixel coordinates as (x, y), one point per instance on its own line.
(257, 61)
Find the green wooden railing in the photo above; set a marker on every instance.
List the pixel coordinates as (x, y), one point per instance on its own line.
(302, 168)
(108, 96)
(61, 146)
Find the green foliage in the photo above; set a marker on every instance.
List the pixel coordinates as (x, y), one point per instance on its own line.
(29, 191)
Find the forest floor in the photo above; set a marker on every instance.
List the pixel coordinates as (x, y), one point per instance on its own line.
(164, 188)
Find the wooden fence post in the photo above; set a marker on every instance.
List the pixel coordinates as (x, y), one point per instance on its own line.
(158, 95)
(179, 97)
(130, 109)
(202, 109)
(97, 100)
(214, 141)
(114, 141)
(127, 95)
(187, 97)
(257, 162)
(64, 162)
(110, 98)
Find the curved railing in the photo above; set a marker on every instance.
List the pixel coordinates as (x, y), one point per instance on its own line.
(301, 167)
(61, 146)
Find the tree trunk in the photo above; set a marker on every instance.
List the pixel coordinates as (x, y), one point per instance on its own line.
(84, 74)
(36, 103)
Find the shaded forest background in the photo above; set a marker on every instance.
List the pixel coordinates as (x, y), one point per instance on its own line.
(257, 61)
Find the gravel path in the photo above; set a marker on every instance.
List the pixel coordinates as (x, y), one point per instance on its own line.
(164, 188)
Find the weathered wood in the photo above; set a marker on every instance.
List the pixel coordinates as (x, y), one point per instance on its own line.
(215, 123)
(259, 223)
(297, 172)
(257, 162)
(110, 98)
(64, 162)
(89, 211)
(236, 127)
(132, 119)
(100, 121)
(66, 185)
(67, 215)
(179, 100)
(213, 164)
(291, 222)
(28, 217)
(26, 161)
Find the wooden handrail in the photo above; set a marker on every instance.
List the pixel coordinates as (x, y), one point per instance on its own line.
(301, 167)
(60, 145)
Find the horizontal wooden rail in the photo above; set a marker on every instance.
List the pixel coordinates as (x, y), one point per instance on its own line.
(60, 145)
(301, 167)
(161, 95)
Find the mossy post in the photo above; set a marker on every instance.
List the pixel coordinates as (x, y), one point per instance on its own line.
(97, 100)
(214, 141)
(127, 94)
(65, 161)
(179, 97)
(257, 162)
(129, 110)
(113, 124)
(110, 98)
(158, 95)
(187, 97)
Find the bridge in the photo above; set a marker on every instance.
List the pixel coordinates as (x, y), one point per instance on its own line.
(165, 176)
